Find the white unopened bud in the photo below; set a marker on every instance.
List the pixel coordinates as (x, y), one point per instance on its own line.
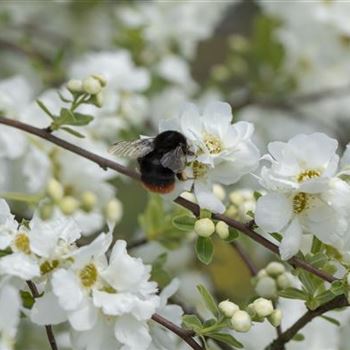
(236, 198)
(88, 200)
(114, 210)
(101, 78)
(241, 321)
(92, 86)
(204, 227)
(232, 211)
(75, 85)
(263, 307)
(99, 99)
(262, 273)
(222, 229)
(68, 205)
(54, 189)
(266, 287)
(275, 318)
(219, 192)
(228, 308)
(283, 281)
(275, 268)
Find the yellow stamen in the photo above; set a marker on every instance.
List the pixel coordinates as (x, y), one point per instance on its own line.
(199, 169)
(213, 144)
(88, 275)
(300, 202)
(48, 266)
(308, 174)
(22, 243)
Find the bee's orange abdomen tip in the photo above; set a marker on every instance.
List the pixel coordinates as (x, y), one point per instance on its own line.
(163, 189)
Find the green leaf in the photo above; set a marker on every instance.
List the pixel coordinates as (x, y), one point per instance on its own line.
(205, 213)
(192, 322)
(45, 109)
(332, 320)
(293, 293)
(63, 99)
(298, 337)
(233, 234)
(5, 252)
(208, 300)
(204, 250)
(277, 236)
(338, 288)
(318, 260)
(158, 273)
(73, 132)
(27, 299)
(82, 119)
(184, 222)
(257, 195)
(226, 339)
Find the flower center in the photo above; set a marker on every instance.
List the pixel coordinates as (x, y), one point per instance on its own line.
(213, 144)
(88, 275)
(48, 266)
(199, 169)
(308, 174)
(300, 202)
(22, 243)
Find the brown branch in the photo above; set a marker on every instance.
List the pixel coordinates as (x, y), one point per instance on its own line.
(48, 328)
(245, 258)
(288, 335)
(185, 335)
(106, 163)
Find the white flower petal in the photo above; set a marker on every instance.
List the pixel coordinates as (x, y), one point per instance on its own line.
(66, 287)
(218, 116)
(10, 304)
(206, 198)
(132, 333)
(291, 240)
(20, 265)
(85, 317)
(273, 212)
(47, 310)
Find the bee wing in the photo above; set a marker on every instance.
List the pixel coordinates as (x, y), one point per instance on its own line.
(174, 160)
(133, 149)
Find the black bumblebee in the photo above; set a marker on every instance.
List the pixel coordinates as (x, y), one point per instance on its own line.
(161, 159)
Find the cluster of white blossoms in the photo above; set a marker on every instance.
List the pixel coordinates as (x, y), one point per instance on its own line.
(224, 152)
(107, 299)
(304, 193)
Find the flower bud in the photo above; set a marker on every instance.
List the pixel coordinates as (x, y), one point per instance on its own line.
(262, 273)
(75, 85)
(88, 201)
(236, 198)
(46, 211)
(68, 205)
(92, 86)
(222, 229)
(266, 287)
(231, 211)
(283, 281)
(275, 318)
(204, 227)
(275, 268)
(114, 210)
(99, 99)
(251, 310)
(219, 192)
(54, 189)
(263, 307)
(228, 308)
(241, 321)
(101, 78)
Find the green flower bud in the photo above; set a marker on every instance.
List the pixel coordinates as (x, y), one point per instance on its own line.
(88, 201)
(275, 268)
(55, 190)
(222, 229)
(114, 210)
(219, 192)
(228, 308)
(263, 307)
(266, 287)
(204, 227)
(100, 78)
(68, 205)
(241, 321)
(275, 318)
(92, 86)
(283, 281)
(46, 211)
(75, 85)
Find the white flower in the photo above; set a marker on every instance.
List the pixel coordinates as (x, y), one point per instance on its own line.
(10, 306)
(224, 151)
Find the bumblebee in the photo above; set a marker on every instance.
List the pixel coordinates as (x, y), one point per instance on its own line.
(161, 159)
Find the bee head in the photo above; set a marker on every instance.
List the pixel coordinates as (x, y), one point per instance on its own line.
(169, 140)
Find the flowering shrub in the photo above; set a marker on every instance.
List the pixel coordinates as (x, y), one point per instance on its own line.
(90, 260)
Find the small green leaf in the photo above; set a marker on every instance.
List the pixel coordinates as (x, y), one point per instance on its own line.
(318, 260)
(192, 322)
(277, 236)
(233, 234)
(27, 299)
(5, 252)
(209, 300)
(204, 250)
(73, 132)
(298, 337)
(184, 222)
(63, 99)
(82, 119)
(293, 293)
(205, 213)
(226, 339)
(45, 109)
(257, 195)
(331, 320)
(338, 288)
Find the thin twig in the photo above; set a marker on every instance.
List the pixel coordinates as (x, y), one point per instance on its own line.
(245, 258)
(185, 335)
(106, 163)
(138, 243)
(288, 335)
(48, 328)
